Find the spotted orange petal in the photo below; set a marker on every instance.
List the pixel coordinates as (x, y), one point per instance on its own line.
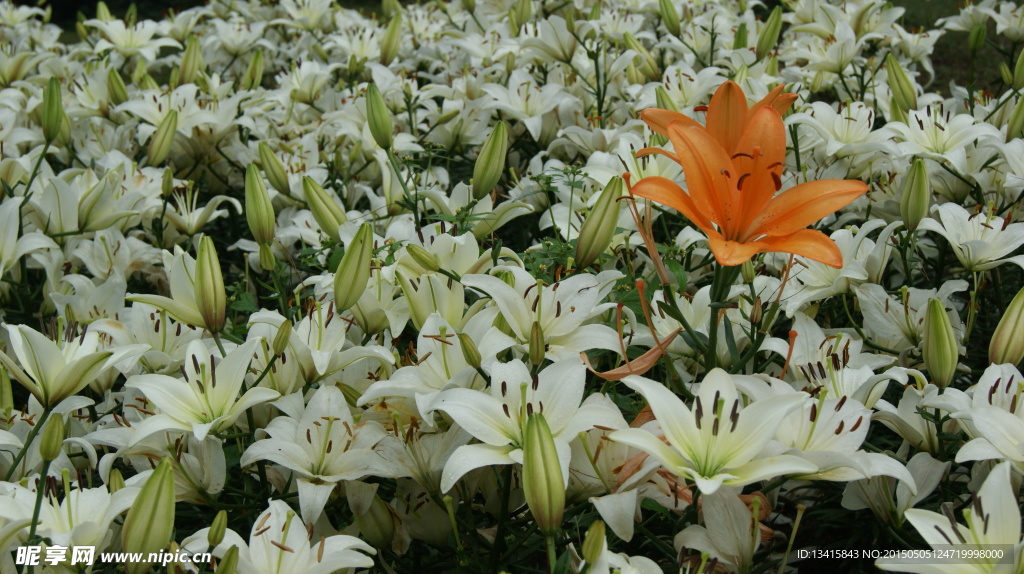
(708, 171)
(658, 119)
(667, 192)
(730, 253)
(727, 115)
(809, 243)
(796, 208)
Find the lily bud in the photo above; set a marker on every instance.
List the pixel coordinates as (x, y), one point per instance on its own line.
(423, 258)
(543, 483)
(523, 10)
(167, 183)
(537, 346)
(900, 85)
(191, 61)
(354, 270)
(210, 297)
(377, 524)
(274, 169)
(633, 75)
(390, 8)
(163, 139)
(115, 481)
(102, 12)
(490, 164)
(1007, 344)
(378, 116)
(392, 39)
(146, 82)
(669, 16)
(976, 38)
(1006, 74)
(470, 352)
(253, 76)
(769, 35)
(747, 271)
(53, 111)
(896, 114)
(1015, 127)
(648, 65)
(229, 563)
(663, 100)
(328, 214)
(593, 543)
(941, 354)
(282, 338)
(469, 5)
(917, 195)
(599, 228)
(117, 92)
(739, 41)
(216, 533)
(1018, 72)
(259, 212)
(52, 441)
(150, 520)
(6, 392)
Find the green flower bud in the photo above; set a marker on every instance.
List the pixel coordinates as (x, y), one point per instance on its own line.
(896, 114)
(115, 481)
(377, 524)
(633, 75)
(328, 214)
(53, 111)
(648, 65)
(220, 525)
(537, 346)
(253, 76)
(1018, 72)
(150, 521)
(1015, 127)
(379, 117)
(103, 13)
(593, 543)
(229, 563)
(664, 101)
(282, 338)
(523, 10)
(1007, 344)
(899, 83)
(210, 296)
(669, 16)
(470, 352)
(599, 228)
(390, 8)
(818, 82)
(976, 38)
(939, 348)
(52, 441)
(490, 164)
(543, 483)
(917, 195)
(1005, 74)
(769, 35)
(354, 270)
(423, 258)
(167, 182)
(146, 82)
(259, 212)
(392, 40)
(6, 392)
(82, 32)
(469, 5)
(117, 92)
(747, 271)
(739, 41)
(274, 169)
(163, 139)
(191, 61)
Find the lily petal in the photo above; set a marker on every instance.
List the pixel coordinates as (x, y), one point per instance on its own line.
(796, 208)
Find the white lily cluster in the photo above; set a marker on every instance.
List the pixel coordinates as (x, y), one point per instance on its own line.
(293, 270)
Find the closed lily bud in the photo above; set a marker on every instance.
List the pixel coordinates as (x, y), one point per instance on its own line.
(328, 214)
(523, 10)
(470, 352)
(253, 76)
(191, 61)
(150, 521)
(941, 354)
(593, 543)
(354, 270)
(392, 40)
(52, 441)
(220, 525)
(633, 75)
(377, 524)
(274, 169)
(53, 111)
(146, 82)
(917, 195)
(167, 183)
(1015, 127)
(102, 12)
(163, 139)
(259, 212)
(282, 338)
(739, 41)
(6, 392)
(490, 164)
(976, 38)
(599, 228)
(769, 35)
(747, 271)
(896, 114)
(229, 562)
(423, 258)
(1018, 72)
(900, 85)
(543, 483)
(1006, 74)
(663, 100)
(537, 346)
(1007, 344)
(115, 481)
(648, 65)
(390, 8)
(469, 5)
(379, 117)
(117, 92)
(669, 16)
(210, 296)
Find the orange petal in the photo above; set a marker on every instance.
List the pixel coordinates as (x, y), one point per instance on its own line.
(710, 176)
(730, 253)
(667, 192)
(776, 100)
(727, 114)
(809, 243)
(796, 208)
(658, 119)
(643, 152)
(760, 152)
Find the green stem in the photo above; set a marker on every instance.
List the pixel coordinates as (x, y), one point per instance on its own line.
(40, 491)
(499, 533)
(720, 285)
(28, 442)
(552, 556)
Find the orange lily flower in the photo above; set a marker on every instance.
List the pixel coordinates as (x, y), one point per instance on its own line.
(733, 170)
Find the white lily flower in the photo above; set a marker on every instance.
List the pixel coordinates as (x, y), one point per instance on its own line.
(898, 321)
(980, 241)
(939, 135)
(890, 499)
(279, 544)
(130, 41)
(906, 420)
(207, 400)
(322, 444)
(167, 339)
(730, 533)
(498, 417)
(718, 441)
